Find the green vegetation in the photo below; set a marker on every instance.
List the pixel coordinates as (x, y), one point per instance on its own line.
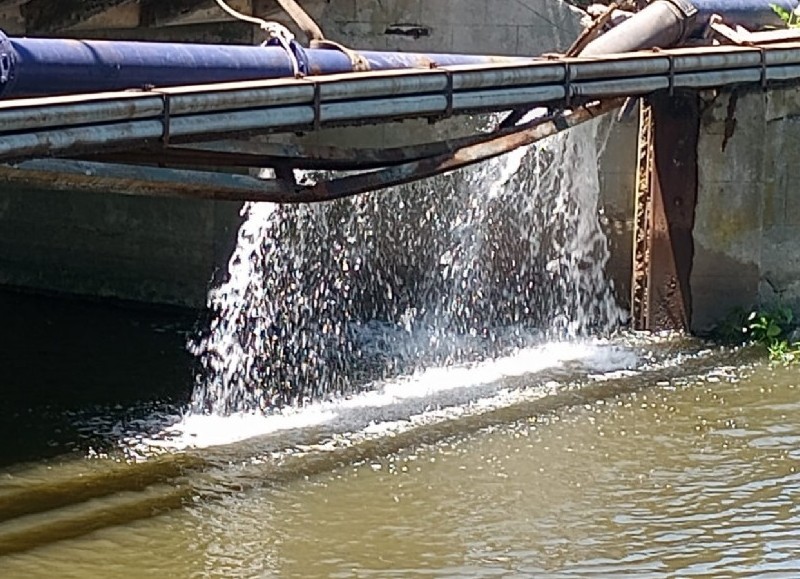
(772, 328)
(790, 17)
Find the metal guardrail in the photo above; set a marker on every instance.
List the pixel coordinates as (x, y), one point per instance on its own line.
(399, 166)
(86, 123)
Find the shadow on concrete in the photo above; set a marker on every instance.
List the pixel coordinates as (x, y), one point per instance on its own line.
(60, 358)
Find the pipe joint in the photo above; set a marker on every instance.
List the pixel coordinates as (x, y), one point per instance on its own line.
(687, 8)
(685, 17)
(8, 62)
(295, 53)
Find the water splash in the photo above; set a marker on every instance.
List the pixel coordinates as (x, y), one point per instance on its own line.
(324, 299)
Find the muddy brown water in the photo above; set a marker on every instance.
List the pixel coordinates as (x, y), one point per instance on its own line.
(684, 468)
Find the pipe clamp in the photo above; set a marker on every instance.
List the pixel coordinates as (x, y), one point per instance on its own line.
(8, 62)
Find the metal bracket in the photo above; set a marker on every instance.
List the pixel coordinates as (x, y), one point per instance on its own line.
(567, 84)
(448, 111)
(560, 121)
(689, 12)
(671, 73)
(166, 112)
(166, 118)
(317, 106)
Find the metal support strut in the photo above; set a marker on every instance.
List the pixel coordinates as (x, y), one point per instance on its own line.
(664, 217)
(643, 209)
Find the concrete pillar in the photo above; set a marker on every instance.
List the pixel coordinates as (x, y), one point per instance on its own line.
(747, 231)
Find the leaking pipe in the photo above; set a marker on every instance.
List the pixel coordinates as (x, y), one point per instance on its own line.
(667, 23)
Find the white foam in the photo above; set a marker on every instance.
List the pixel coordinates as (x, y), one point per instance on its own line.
(387, 403)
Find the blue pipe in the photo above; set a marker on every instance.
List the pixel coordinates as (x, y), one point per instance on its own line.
(751, 14)
(46, 66)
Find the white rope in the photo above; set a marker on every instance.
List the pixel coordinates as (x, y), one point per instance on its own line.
(275, 30)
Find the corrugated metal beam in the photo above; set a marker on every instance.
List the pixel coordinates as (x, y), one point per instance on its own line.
(77, 124)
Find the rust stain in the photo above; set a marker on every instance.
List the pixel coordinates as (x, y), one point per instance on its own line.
(730, 119)
(674, 196)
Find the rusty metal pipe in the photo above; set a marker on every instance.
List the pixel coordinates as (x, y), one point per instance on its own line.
(660, 24)
(667, 23)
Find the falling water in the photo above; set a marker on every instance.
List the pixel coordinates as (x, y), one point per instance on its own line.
(323, 299)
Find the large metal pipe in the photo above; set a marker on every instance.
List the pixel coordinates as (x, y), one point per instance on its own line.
(46, 66)
(667, 23)
(750, 14)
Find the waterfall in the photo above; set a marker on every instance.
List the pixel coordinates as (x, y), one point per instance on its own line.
(320, 300)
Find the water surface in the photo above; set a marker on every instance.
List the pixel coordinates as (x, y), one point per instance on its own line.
(686, 466)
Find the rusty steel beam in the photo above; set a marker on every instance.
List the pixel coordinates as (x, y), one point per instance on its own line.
(240, 153)
(664, 245)
(643, 206)
(64, 175)
(57, 174)
(522, 136)
(244, 153)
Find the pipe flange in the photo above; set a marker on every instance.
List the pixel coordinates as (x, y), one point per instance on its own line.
(8, 62)
(688, 16)
(686, 7)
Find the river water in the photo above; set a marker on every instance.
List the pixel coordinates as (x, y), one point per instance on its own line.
(426, 383)
(637, 456)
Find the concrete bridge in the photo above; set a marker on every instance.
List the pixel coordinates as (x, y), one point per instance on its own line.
(716, 211)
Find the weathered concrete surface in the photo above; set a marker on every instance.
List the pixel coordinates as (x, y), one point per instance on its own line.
(462, 26)
(158, 251)
(161, 251)
(617, 172)
(165, 251)
(747, 228)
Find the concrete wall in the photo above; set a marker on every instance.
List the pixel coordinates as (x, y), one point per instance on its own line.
(161, 251)
(165, 251)
(747, 229)
(461, 26)
(617, 172)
